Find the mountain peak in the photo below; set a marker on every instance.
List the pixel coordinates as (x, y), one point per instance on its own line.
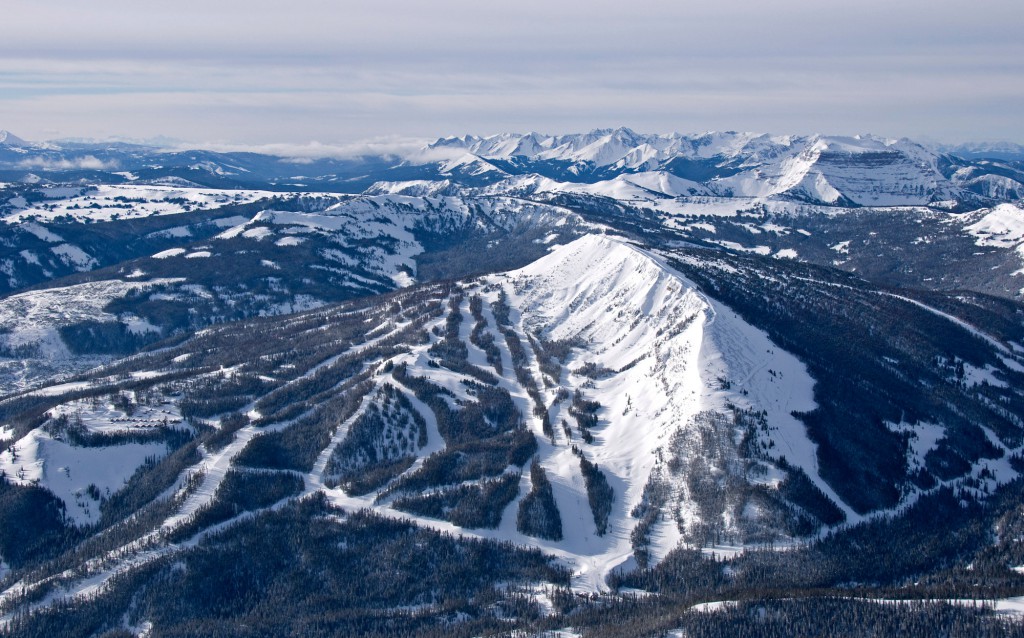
(10, 139)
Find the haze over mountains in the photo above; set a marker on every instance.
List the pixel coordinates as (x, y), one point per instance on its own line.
(594, 359)
(726, 164)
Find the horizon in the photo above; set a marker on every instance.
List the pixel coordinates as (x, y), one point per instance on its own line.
(394, 146)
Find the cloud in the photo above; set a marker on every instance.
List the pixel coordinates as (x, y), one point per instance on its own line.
(263, 72)
(387, 146)
(85, 162)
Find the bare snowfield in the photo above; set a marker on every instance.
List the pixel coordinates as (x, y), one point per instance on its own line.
(127, 201)
(71, 471)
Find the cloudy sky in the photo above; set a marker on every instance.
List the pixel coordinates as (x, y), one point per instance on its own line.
(258, 72)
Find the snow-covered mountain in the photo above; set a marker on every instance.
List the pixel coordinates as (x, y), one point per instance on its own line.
(10, 139)
(654, 370)
(850, 171)
(862, 170)
(595, 404)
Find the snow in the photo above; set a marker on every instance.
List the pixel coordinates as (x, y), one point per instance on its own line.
(416, 188)
(103, 416)
(137, 325)
(289, 241)
(10, 139)
(214, 468)
(702, 226)
(75, 256)
(199, 254)
(610, 294)
(41, 233)
(258, 233)
(731, 245)
(32, 319)
(669, 345)
(402, 279)
(470, 165)
(170, 252)
(974, 375)
(866, 170)
(60, 388)
(226, 222)
(656, 190)
(178, 232)
(665, 343)
(128, 201)
(31, 316)
(718, 605)
(924, 437)
(29, 257)
(1002, 226)
(67, 470)
(765, 377)
(237, 230)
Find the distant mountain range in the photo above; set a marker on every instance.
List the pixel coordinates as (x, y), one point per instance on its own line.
(844, 171)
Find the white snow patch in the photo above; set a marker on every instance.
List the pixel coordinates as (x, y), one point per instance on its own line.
(226, 222)
(178, 231)
(41, 233)
(402, 279)
(717, 605)
(258, 233)
(924, 437)
(30, 257)
(75, 257)
(702, 226)
(1003, 226)
(289, 241)
(67, 470)
(731, 245)
(974, 375)
(138, 325)
(170, 252)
